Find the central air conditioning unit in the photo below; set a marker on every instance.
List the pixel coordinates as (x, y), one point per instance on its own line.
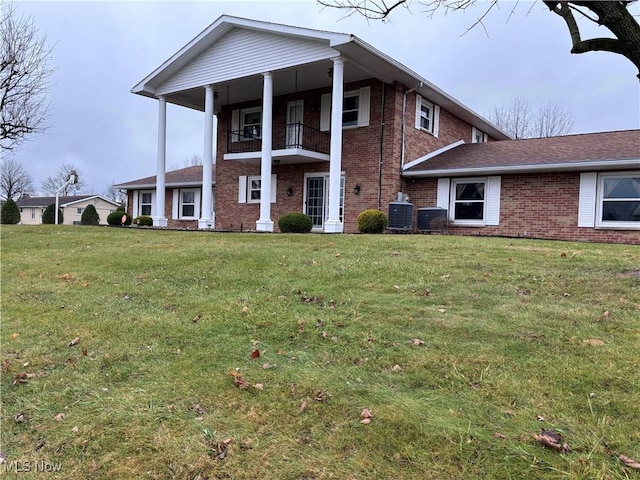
(432, 219)
(400, 215)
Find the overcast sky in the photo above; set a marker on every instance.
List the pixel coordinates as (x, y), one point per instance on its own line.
(102, 49)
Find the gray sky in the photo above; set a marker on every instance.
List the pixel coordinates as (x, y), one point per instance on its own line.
(102, 49)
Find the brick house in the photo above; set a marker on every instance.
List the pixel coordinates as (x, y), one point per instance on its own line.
(183, 197)
(323, 123)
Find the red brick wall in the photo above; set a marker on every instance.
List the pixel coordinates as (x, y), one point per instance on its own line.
(541, 206)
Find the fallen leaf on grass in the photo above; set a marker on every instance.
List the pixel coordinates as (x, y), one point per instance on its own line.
(221, 449)
(594, 342)
(366, 416)
(75, 429)
(238, 381)
(59, 417)
(553, 440)
(66, 276)
(199, 410)
(255, 354)
(417, 342)
(259, 386)
(629, 462)
(442, 310)
(23, 377)
(396, 368)
(74, 342)
(304, 406)
(499, 436)
(320, 396)
(245, 310)
(197, 318)
(14, 336)
(20, 417)
(606, 314)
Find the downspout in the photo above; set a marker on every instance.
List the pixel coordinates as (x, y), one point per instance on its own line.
(404, 115)
(381, 146)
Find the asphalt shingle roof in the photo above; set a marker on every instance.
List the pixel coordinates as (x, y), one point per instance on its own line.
(538, 152)
(184, 176)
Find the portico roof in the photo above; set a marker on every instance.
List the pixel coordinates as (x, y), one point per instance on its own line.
(232, 53)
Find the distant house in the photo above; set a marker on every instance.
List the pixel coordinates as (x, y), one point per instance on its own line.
(325, 124)
(183, 199)
(32, 208)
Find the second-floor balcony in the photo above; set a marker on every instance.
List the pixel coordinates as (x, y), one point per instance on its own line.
(291, 143)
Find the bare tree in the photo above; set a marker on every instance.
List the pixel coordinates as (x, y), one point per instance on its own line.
(24, 78)
(52, 183)
(520, 120)
(193, 160)
(15, 181)
(115, 194)
(615, 16)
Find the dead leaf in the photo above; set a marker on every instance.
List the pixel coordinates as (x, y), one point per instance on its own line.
(266, 366)
(199, 410)
(197, 318)
(259, 386)
(221, 448)
(255, 353)
(245, 310)
(540, 418)
(320, 396)
(553, 440)
(172, 408)
(395, 253)
(563, 255)
(396, 368)
(75, 429)
(337, 255)
(324, 334)
(300, 326)
(66, 276)
(365, 421)
(74, 342)
(14, 335)
(304, 406)
(442, 310)
(594, 342)
(23, 377)
(426, 292)
(85, 352)
(417, 342)
(366, 413)
(20, 417)
(606, 314)
(59, 417)
(629, 462)
(240, 382)
(499, 436)
(315, 264)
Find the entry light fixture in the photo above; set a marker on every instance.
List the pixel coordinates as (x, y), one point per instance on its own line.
(356, 189)
(289, 191)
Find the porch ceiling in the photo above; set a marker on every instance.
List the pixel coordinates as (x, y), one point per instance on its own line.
(287, 156)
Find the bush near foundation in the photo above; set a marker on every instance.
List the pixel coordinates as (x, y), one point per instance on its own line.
(90, 216)
(115, 218)
(372, 221)
(295, 222)
(143, 221)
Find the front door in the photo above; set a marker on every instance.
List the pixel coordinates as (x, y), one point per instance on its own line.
(294, 124)
(317, 199)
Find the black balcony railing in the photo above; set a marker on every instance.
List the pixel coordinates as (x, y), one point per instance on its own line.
(292, 135)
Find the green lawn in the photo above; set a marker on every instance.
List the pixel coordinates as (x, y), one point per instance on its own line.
(252, 356)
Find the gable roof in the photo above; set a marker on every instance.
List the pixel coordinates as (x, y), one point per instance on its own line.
(590, 151)
(184, 177)
(308, 51)
(62, 201)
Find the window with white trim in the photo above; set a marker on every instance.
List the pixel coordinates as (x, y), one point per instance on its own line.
(618, 200)
(187, 204)
(478, 136)
(250, 188)
(427, 116)
(79, 211)
(33, 213)
(146, 202)
(470, 201)
(355, 109)
(246, 124)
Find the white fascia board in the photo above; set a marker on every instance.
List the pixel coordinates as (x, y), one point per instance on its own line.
(435, 153)
(511, 169)
(145, 186)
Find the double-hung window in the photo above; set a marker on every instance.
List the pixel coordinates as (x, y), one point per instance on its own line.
(145, 203)
(609, 200)
(79, 211)
(355, 109)
(471, 202)
(246, 124)
(427, 116)
(250, 188)
(187, 204)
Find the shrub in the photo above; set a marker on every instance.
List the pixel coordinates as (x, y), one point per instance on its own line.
(90, 216)
(372, 221)
(115, 218)
(10, 213)
(295, 222)
(143, 221)
(120, 208)
(49, 215)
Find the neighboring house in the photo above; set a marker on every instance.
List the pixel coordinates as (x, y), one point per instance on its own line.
(323, 123)
(32, 208)
(183, 197)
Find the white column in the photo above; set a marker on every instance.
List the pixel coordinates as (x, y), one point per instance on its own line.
(264, 223)
(206, 216)
(333, 223)
(159, 220)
